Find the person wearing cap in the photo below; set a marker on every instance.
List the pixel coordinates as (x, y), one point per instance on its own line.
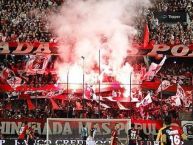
(171, 133)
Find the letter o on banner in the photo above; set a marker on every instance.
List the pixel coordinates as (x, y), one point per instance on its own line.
(183, 52)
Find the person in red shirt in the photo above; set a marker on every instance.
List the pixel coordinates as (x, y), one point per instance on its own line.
(31, 135)
(114, 136)
(22, 133)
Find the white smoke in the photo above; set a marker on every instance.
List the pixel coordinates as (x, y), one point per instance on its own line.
(85, 26)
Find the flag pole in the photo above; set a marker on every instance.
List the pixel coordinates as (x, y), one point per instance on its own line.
(83, 93)
(130, 85)
(161, 95)
(99, 82)
(67, 81)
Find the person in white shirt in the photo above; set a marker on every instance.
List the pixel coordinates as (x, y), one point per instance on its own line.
(90, 140)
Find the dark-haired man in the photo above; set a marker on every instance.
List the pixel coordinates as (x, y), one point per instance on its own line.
(132, 135)
(171, 133)
(114, 140)
(31, 135)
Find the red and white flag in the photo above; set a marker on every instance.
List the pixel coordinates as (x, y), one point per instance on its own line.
(37, 64)
(175, 101)
(180, 92)
(163, 86)
(121, 107)
(154, 69)
(147, 100)
(8, 76)
(104, 105)
(151, 72)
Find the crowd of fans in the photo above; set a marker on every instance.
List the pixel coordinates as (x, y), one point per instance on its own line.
(26, 21)
(167, 32)
(18, 109)
(175, 70)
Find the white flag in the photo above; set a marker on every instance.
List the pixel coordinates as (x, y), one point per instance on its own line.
(147, 100)
(151, 72)
(181, 94)
(175, 101)
(161, 64)
(163, 86)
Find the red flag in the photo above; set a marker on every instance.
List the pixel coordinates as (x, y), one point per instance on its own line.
(30, 104)
(54, 105)
(146, 36)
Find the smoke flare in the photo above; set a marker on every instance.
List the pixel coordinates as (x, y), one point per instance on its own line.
(84, 27)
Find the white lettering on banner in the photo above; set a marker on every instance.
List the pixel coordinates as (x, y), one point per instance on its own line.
(106, 128)
(70, 142)
(15, 127)
(184, 50)
(43, 48)
(57, 128)
(20, 48)
(174, 17)
(67, 129)
(103, 128)
(158, 50)
(2, 142)
(2, 127)
(148, 129)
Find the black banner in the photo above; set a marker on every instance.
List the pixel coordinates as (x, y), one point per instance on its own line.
(63, 142)
(171, 17)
